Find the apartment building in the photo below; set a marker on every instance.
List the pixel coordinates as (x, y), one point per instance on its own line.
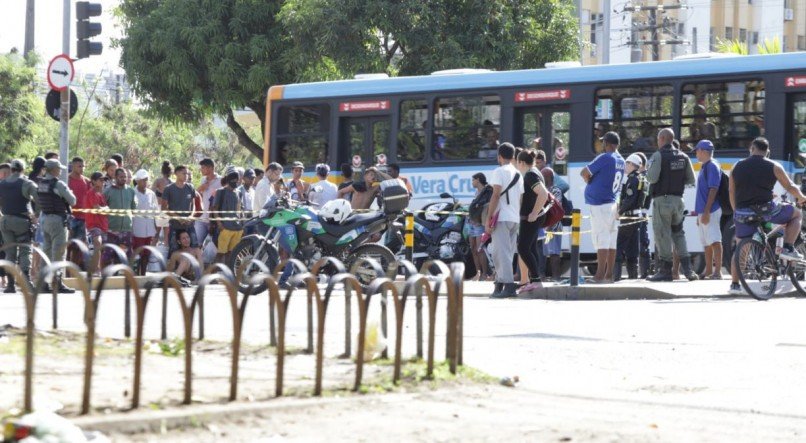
(647, 30)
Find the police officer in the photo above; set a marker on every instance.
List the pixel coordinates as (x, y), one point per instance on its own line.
(643, 227)
(16, 194)
(633, 195)
(55, 199)
(669, 172)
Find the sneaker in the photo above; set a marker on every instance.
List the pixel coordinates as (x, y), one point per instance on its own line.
(735, 289)
(791, 255)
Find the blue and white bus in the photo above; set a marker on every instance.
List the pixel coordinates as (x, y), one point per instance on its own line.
(443, 128)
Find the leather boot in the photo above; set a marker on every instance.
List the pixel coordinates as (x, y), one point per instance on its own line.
(632, 269)
(10, 288)
(62, 288)
(643, 265)
(555, 263)
(497, 291)
(617, 271)
(664, 272)
(685, 265)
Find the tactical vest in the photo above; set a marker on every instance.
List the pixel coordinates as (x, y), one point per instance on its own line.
(672, 173)
(14, 203)
(51, 203)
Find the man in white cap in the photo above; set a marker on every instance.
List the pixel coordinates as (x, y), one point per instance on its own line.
(55, 198)
(633, 195)
(144, 230)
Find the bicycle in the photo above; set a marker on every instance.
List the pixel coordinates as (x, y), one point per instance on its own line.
(759, 264)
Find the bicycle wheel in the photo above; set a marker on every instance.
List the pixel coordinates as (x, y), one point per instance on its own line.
(757, 267)
(797, 271)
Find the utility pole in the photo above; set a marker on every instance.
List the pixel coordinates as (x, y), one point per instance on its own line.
(606, 34)
(655, 11)
(30, 15)
(64, 118)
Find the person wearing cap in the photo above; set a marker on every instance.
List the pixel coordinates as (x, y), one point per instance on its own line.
(247, 193)
(55, 198)
(323, 191)
(631, 203)
(296, 187)
(644, 257)
(16, 194)
(669, 172)
(5, 171)
(120, 197)
(228, 205)
(603, 177)
(708, 210)
(210, 183)
(144, 230)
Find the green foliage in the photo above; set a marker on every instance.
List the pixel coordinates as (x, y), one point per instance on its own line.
(172, 348)
(768, 46)
(413, 37)
(24, 127)
(190, 59)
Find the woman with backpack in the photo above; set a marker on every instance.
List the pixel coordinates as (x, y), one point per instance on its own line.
(477, 219)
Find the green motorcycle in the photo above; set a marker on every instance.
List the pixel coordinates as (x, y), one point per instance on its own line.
(298, 231)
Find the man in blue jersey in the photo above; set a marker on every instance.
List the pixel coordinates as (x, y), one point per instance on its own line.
(709, 212)
(604, 176)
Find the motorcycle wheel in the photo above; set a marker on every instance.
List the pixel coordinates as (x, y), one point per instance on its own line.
(244, 252)
(365, 274)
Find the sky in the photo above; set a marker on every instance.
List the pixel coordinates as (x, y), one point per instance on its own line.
(48, 33)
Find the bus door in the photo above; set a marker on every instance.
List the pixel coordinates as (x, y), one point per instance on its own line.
(537, 125)
(363, 139)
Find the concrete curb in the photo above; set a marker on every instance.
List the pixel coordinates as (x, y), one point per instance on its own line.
(147, 421)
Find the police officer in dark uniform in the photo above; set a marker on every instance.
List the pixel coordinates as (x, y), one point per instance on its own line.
(16, 194)
(55, 198)
(669, 172)
(631, 202)
(644, 258)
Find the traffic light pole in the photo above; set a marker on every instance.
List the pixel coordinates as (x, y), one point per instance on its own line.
(64, 117)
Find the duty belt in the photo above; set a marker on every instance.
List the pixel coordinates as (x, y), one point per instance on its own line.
(633, 213)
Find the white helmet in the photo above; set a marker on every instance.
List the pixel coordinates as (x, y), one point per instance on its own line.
(335, 211)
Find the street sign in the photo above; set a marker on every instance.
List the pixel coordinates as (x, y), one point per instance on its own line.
(53, 104)
(60, 72)
(559, 153)
(368, 106)
(381, 159)
(357, 161)
(544, 95)
(802, 145)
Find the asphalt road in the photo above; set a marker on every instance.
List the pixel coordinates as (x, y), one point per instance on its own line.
(703, 361)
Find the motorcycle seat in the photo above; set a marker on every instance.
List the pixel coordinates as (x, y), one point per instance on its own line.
(352, 222)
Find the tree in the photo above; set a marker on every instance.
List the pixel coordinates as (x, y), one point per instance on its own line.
(190, 59)
(24, 127)
(411, 37)
(768, 46)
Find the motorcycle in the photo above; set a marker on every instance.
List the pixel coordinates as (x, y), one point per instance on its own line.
(439, 235)
(297, 229)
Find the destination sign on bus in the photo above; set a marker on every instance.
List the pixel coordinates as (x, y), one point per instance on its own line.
(545, 95)
(796, 82)
(377, 105)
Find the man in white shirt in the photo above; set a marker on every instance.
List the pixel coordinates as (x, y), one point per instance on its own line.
(265, 187)
(247, 192)
(506, 200)
(144, 230)
(210, 183)
(322, 191)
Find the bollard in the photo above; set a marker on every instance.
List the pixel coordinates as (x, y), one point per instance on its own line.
(409, 236)
(576, 220)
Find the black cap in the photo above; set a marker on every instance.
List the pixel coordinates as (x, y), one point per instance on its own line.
(611, 138)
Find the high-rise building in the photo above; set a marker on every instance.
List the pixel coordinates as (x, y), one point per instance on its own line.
(619, 31)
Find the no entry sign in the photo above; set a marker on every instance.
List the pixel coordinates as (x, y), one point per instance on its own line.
(60, 72)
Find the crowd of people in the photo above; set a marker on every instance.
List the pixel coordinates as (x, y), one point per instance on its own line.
(509, 211)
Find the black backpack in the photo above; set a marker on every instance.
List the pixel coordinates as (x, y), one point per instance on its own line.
(723, 194)
(476, 209)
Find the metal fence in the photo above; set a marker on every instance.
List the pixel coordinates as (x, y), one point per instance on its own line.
(424, 285)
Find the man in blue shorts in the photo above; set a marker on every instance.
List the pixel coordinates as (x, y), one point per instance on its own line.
(751, 193)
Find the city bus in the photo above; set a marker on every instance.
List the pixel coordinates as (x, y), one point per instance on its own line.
(442, 128)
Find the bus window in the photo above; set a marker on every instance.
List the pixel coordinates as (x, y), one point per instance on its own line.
(411, 136)
(730, 114)
(466, 127)
(302, 133)
(636, 114)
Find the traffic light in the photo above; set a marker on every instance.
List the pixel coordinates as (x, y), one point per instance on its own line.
(85, 29)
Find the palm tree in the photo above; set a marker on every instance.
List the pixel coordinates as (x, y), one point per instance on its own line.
(768, 46)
